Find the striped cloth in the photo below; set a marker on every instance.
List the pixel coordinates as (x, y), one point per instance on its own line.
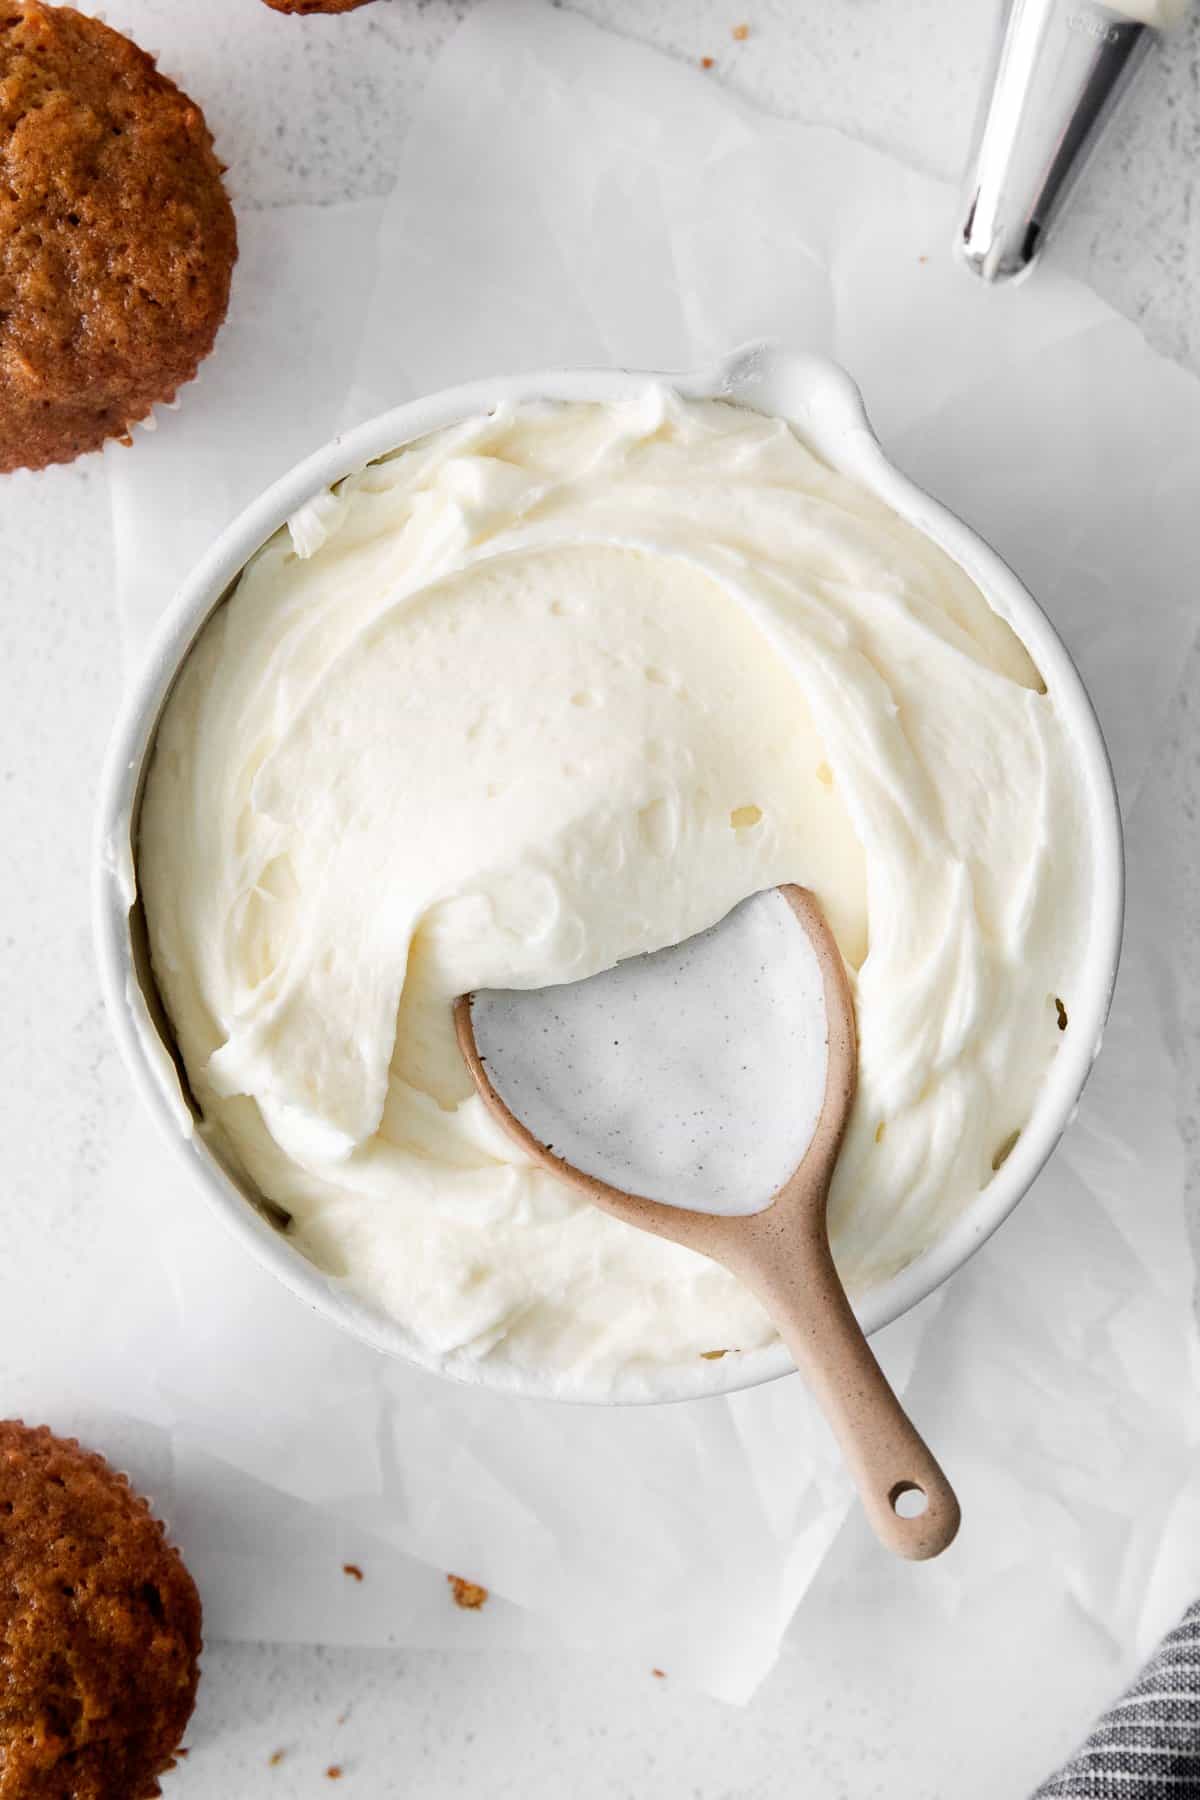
(1148, 1746)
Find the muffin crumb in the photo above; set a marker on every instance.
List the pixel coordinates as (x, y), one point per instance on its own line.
(1005, 1150)
(467, 1594)
(305, 7)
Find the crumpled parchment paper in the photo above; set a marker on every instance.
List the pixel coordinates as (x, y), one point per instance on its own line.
(564, 197)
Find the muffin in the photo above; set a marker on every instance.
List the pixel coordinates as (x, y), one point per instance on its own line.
(315, 6)
(117, 238)
(99, 1628)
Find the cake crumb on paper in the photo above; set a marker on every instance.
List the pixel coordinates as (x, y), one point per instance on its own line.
(275, 1758)
(467, 1594)
(334, 1772)
(706, 62)
(353, 1570)
(741, 33)
(659, 1674)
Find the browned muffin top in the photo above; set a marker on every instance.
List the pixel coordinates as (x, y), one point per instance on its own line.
(316, 6)
(99, 1628)
(117, 238)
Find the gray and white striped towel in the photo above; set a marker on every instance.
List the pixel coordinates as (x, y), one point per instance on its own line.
(1148, 1746)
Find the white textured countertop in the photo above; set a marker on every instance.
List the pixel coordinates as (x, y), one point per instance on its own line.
(315, 110)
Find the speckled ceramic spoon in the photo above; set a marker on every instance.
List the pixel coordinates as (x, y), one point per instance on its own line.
(562, 1069)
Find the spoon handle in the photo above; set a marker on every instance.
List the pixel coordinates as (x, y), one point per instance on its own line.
(884, 1452)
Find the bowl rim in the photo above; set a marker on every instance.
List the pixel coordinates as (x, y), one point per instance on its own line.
(821, 401)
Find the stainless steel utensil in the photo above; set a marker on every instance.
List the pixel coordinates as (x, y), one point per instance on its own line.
(1060, 67)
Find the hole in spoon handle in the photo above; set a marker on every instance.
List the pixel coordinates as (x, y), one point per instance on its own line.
(916, 1515)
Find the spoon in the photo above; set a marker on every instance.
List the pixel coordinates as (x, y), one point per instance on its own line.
(780, 1249)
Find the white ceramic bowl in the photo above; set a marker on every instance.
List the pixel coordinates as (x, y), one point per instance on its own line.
(823, 404)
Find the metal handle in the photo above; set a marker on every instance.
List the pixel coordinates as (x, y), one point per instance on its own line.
(1061, 66)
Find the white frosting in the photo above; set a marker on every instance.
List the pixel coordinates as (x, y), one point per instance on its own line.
(545, 691)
